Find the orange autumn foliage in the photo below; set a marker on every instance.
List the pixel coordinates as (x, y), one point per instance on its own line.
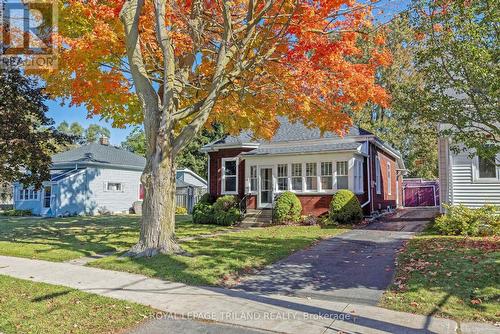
(323, 63)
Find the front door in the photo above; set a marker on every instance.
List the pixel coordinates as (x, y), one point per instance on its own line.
(266, 188)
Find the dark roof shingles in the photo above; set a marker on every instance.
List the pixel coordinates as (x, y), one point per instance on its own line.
(97, 153)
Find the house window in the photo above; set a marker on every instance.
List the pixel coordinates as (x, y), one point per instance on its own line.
(389, 179)
(342, 175)
(229, 176)
(283, 177)
(358, 176)
(114, 186)
(311, 176)
(326, 176)
(46, 197)
(297, 177)
(487, 168)
(378, 176)
(253, 178)
(28, 194)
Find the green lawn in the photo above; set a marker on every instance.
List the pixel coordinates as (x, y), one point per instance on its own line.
(452, 277)
(30, 307)
(62, 239)
(218, 260)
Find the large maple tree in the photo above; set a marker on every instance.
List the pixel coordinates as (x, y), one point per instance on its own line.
(178, 65)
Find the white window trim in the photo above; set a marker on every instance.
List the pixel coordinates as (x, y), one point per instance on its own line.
(304, 176)
(475, 173)
(122, 185)
(223, 178)
(378, 176)
(358, 177)
(320, 176)
(250, 191)
(389, 178)
(35, 193)
(287, 177)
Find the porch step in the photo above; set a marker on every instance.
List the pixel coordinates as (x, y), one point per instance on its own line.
(257, 218)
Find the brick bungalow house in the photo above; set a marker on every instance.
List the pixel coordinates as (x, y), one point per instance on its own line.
(313, 166)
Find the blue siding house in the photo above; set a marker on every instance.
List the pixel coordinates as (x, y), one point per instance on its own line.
(91, 179)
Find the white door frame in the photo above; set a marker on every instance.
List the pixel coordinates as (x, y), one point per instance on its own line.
(260, 205)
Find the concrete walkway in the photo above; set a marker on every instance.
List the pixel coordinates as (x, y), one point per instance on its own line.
(274, 313)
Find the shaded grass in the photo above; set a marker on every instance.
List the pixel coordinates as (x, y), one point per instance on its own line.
(454, 277)
(30, 307)
(217, 260)
(62, 239)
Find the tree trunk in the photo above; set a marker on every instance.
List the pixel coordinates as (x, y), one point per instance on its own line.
(158, 208)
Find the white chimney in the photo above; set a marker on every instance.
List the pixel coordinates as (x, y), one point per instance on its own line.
(104, 140)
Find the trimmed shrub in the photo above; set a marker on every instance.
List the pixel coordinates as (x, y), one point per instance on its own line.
(460, 220)
(180, 210)
(206, 198)
(345, 208)
(287, 208)
(16, 213)
(226, 211)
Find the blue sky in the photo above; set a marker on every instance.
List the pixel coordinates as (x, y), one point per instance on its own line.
(79, 114)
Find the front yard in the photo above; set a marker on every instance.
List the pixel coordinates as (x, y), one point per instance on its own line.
(30, 307)
(453, 277)
(62, 239)
(218, 260)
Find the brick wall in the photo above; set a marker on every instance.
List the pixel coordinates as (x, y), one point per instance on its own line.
(383, 200)
(215, 177)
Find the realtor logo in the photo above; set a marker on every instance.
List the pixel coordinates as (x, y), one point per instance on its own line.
(27, 31)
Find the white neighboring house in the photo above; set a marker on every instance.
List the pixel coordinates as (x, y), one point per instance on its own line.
(471, 181)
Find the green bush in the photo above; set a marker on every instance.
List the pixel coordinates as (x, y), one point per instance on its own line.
(287, 208)
(16, 213)
(226, 211)
(345, 208)
(180, 210)
(203, 213)
(460, 220)
(223, 212)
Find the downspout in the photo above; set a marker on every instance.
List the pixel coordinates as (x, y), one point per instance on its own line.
(368, 170)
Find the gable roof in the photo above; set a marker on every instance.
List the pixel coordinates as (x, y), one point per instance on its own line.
(290, 131)
(97, 154)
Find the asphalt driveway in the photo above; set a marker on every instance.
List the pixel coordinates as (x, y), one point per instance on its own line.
(354, 267)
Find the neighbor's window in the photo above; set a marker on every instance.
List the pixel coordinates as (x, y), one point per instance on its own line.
(389, 178)
(282, 177)
(358, 176)
(114, 186)
(253, 178)
(311, 176)
(487, 168)
(342, 175)
(297, 177)
(326, 176)
(230, 176)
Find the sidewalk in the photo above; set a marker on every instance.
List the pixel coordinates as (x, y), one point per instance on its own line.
(273, 313)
